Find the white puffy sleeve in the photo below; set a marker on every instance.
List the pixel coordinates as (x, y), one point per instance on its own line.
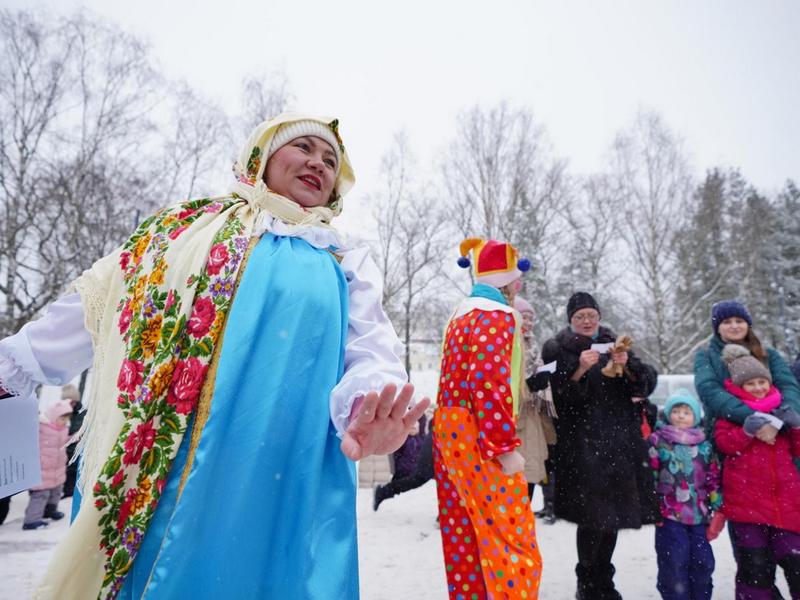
(51, 350)
(372, 356)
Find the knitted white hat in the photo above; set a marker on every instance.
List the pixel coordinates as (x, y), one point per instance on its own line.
(295, 129)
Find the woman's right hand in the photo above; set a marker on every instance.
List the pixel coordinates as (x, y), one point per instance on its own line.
(511, 462)
(767, 434)
(589, 358)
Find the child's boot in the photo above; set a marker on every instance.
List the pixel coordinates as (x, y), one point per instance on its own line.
(51, 512)
(34, 524)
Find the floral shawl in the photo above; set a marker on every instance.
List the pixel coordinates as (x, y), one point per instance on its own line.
(156, 309)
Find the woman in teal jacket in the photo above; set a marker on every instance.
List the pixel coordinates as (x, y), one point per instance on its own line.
(732, 323)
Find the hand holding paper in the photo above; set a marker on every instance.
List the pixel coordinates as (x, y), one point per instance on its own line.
(549, 367)
(602, 348)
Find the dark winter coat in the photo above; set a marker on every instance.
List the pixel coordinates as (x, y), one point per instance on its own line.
(796, 368)
(710, 373)
(759, 482)
(602, 477)
(405, 457)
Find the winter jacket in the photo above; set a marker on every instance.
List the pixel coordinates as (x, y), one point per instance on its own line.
(534, 425)
(759, 481)
(405, 457)
(535, 430)
(796, 368)
(602, 479)
(52, 446)
(687, 474)
(710, 372)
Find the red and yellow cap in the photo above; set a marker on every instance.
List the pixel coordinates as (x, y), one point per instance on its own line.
(494, 263)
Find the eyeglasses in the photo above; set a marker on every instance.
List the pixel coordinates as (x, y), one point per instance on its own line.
(587, 318)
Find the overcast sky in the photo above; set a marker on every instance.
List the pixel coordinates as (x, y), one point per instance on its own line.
(724, 74)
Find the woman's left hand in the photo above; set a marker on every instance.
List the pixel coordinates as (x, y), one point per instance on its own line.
(382, 423)
(619, 358)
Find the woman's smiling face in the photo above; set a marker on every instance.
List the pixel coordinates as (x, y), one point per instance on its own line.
(733, 329)
(303, 170)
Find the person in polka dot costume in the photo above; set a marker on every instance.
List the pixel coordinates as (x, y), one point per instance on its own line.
(487, 526)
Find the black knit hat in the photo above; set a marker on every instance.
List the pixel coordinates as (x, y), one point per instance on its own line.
(580, 300)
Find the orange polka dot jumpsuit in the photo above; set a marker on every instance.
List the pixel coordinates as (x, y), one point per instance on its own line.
(486, 522)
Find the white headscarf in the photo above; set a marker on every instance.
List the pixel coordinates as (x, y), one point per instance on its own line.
(249, 172)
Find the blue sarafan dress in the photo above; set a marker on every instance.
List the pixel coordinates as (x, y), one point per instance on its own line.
(268, 507)
(268, 448)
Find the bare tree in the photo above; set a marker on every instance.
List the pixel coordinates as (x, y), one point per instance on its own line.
(32, 87)
(198, 145)
(411, 245)
(503, 182)
(264, 95)
(593, 216)
(654, 183)
(74, 98)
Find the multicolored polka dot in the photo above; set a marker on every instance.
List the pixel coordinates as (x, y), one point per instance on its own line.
(487, 526)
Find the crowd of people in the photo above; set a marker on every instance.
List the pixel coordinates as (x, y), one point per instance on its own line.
(614, 461)
(239, 342)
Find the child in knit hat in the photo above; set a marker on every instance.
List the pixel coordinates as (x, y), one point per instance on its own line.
(687, 482)
(760, 483)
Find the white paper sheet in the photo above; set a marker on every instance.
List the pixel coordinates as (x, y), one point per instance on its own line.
(603, 348)
(19, 445)
(549, 367)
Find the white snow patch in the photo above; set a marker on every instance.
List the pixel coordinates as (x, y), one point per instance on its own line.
(399, 544)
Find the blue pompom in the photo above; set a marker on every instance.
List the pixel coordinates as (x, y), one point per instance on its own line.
(463, 262)
(523, 264)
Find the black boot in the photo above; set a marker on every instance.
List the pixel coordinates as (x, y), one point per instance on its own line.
(547, 515)
(380, 494)
(596, 583)
(51, 512)
(604, 576)
(587, 586)
(5, 504)
(34, 524)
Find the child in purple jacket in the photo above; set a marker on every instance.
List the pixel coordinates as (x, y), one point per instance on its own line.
(687, 483)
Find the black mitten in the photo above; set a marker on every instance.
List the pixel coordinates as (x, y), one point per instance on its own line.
(538, 381)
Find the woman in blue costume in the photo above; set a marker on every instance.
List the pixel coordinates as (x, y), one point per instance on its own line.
(241, 362)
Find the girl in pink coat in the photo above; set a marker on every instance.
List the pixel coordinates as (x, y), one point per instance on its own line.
(53, 437)
(760, 484)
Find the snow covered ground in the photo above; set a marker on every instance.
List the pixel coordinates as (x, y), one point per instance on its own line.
(400, 553)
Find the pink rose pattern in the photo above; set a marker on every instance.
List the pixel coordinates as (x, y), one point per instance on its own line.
(216, 259)
(138, 441)
(156, 415)
(202, 317)
(187, 380)
(130, 375)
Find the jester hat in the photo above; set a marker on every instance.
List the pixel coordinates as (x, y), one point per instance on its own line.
(494, 263)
